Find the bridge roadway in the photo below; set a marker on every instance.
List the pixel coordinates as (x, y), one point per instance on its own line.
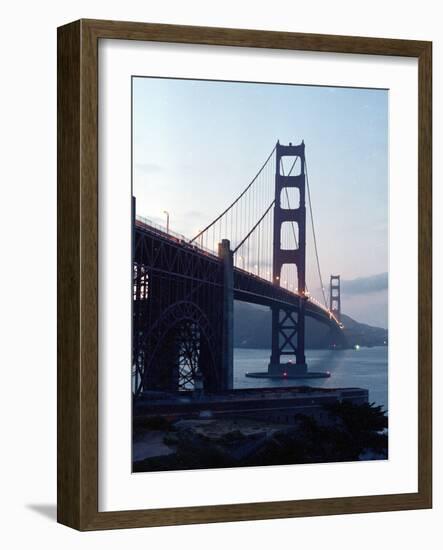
(247, 286)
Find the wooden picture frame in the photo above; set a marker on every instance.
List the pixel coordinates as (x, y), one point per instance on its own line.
(78, 274)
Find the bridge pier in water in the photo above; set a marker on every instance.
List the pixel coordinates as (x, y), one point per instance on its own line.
(288, 328)
(288, 324)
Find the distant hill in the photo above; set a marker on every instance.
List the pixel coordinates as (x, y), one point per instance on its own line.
(362, 334)
(252, 329)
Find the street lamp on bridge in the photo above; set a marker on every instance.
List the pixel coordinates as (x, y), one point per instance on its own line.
(167, 220)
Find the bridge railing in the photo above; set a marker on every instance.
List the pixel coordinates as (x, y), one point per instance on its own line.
(172, 235)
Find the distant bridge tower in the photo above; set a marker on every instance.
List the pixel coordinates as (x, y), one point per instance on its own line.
(335, 296)
(288, 328)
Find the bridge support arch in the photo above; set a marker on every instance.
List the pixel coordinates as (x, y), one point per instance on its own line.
(177, 349)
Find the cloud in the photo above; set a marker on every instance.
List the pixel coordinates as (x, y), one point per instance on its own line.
(365, 285)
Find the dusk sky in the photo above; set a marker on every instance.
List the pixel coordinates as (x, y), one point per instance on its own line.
(197, 144)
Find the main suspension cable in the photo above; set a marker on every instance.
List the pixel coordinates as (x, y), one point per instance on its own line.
(237, 199)
(314, 237)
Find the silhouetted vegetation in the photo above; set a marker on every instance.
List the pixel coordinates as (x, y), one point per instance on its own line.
(359, 419)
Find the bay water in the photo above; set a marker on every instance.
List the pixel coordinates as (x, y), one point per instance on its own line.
(363, 368)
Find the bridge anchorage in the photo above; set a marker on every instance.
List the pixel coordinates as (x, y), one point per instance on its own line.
(184, 289)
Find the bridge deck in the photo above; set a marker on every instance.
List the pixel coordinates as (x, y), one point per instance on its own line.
(248, 287)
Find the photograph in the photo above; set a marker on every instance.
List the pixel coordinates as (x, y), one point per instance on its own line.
(259, 276)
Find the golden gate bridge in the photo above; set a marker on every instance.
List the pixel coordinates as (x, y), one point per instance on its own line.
(253, 251)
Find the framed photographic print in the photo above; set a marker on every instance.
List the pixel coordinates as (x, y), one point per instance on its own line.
(244, 274)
